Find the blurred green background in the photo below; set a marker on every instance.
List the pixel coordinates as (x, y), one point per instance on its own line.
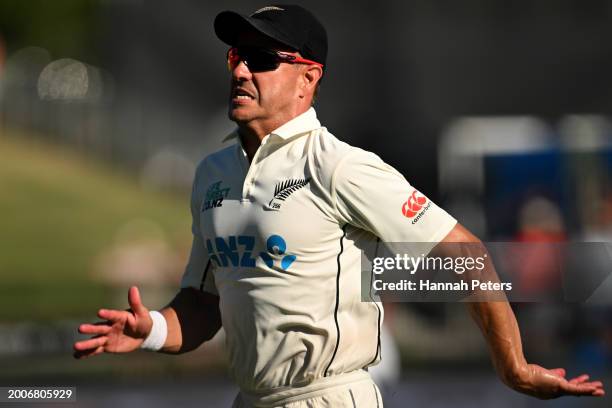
(60, 212)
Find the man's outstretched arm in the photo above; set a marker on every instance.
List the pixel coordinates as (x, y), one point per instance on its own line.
(192, 318)
(501, 331)
(195, 318)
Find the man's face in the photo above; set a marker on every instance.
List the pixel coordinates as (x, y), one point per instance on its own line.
(264, 98)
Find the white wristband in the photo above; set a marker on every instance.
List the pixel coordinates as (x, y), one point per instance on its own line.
(157, 337)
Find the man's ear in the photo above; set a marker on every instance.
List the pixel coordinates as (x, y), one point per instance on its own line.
(311, 75)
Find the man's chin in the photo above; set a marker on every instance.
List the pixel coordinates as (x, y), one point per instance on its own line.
(239, 114)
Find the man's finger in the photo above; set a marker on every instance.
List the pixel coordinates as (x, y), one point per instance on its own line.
(90, 344)
(580, 379)
(97, 351)
(135, 302)
(94, 328)
(88, 353)
(598, 393)
(111, 315)
(578, 389)
(597, 384)
(592, 384)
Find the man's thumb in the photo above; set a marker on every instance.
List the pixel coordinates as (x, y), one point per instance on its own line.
(135, 302)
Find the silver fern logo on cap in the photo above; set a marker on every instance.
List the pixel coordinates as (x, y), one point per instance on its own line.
(268, 8)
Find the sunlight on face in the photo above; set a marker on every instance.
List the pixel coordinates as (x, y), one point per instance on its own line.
(265, 100)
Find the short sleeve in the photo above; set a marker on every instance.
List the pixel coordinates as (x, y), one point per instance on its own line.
(372, 195)
(199, 271)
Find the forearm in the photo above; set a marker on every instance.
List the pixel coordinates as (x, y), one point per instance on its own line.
(174, 339)
(500, 329)
(491, 311)
(192, 318)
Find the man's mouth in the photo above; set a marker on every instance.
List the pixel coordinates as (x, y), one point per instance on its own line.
(241, 94)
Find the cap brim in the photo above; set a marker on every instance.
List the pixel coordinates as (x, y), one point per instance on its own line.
(231, 28)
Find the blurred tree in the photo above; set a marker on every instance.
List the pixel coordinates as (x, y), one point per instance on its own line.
(66, 28)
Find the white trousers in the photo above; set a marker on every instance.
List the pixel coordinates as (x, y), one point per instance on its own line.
(361, 394)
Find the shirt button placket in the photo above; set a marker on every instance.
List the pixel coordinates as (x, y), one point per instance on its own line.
(253, 170)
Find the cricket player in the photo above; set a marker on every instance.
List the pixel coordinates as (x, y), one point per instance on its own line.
(280, 217)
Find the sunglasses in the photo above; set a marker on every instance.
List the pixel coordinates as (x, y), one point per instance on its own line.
(262, 59)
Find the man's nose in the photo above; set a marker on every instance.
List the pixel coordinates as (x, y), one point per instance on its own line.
(241, 72)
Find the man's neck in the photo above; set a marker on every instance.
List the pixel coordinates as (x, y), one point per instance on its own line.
(250, 141)
(251, 134)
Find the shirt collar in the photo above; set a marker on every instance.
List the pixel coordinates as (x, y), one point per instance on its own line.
(305, 122)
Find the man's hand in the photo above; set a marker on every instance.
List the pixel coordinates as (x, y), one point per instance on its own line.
(546, 384)
(121, 332)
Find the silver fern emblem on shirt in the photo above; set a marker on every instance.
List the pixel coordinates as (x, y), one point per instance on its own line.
(284, 189)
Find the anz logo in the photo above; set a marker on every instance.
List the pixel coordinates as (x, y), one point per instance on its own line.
(239, 251)
(276, 245)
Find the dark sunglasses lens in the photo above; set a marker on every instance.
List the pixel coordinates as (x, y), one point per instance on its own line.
(259, 60)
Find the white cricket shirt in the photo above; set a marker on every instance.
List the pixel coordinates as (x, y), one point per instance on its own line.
(279, 241)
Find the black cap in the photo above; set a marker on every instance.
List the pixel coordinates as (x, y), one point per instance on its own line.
(290, 25)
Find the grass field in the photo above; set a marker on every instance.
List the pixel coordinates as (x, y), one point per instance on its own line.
(58, 211)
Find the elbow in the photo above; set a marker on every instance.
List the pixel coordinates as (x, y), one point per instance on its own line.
(460, 234)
